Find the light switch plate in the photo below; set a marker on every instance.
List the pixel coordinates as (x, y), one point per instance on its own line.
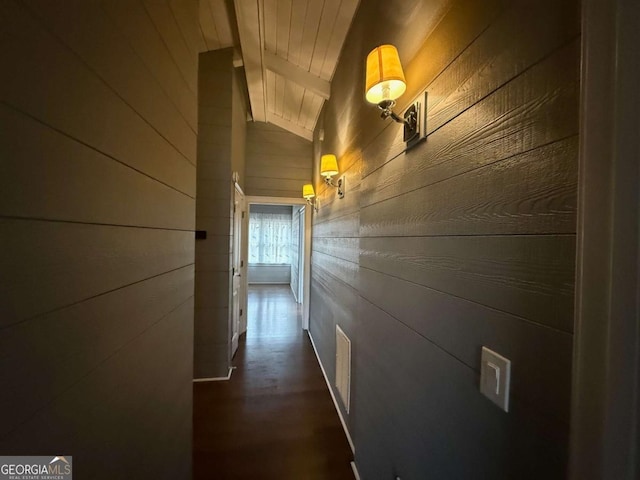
(495, 378)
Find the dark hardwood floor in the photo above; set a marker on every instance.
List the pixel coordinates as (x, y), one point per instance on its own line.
(274, 419)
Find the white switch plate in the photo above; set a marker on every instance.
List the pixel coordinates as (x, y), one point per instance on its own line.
(495, 378)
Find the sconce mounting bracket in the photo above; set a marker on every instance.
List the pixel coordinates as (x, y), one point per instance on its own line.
(415, 122)
(411, 121)
(313, 203)
(414, 119)
(341, 185)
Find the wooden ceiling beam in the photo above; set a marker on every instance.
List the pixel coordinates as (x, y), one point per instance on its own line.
(297, 75)
(290, 126)
(251, 42)
(237, 59)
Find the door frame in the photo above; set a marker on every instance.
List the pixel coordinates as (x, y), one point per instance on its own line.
(605, 410)
(238, 268)
(244, 248)
(306, 246)
(302, 218)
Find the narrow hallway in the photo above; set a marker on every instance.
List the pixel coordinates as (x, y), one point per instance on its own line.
(274, 418)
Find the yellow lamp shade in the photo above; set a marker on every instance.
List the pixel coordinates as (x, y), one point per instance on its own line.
(307, 191)
(328, 165)
(385, 78)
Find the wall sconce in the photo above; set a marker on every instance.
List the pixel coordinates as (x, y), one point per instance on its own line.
(328, 169)
(309, 195)
(385, 83)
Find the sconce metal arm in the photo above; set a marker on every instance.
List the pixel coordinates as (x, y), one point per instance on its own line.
(410, 120)
(387, 112)
(391, 114)
(313, 203)
(329, 181)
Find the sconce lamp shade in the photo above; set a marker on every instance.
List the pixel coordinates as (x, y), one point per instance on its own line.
(385, 78)
(328, 165)
(307, 191)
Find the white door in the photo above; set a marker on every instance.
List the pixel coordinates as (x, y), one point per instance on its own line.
(236, 297)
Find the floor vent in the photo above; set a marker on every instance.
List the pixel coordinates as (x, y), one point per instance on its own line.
(343, 367)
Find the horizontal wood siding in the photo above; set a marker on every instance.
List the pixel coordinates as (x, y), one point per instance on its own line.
(222, 125)
(466, 240)
(278, 163)
(422, 412)
(97, 212)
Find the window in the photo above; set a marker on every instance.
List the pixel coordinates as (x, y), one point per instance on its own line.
(269, 237)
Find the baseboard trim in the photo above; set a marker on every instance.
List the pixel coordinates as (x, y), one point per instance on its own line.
(333, 397)
(214, 379)
(355, 470)
(295, 295)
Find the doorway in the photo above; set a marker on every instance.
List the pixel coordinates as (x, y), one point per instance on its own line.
(278, 249)
(238, 290)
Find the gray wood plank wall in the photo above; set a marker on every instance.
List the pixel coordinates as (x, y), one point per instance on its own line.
(464, 241)
(98, 114)
(222, 133)
(278, 163)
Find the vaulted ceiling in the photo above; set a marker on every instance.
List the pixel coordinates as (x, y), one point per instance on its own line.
(217, 24)
(290, 50)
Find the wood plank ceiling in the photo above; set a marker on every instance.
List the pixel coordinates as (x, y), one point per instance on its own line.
(290, 50)
(217, 24)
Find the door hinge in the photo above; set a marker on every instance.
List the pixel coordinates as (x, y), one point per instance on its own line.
(242, 263)
(240, 312)
(243, 214)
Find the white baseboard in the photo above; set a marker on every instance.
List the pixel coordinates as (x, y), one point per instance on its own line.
(214, 379)
(355, 470)
(333, 397)
(295, 295)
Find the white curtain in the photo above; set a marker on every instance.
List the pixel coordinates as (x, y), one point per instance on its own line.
(269, 237)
